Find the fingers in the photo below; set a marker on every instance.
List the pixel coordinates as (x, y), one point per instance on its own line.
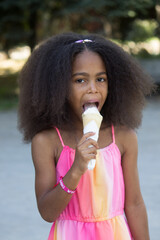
(85, 151)
(88, 141)
(87, 146)
(90, 153)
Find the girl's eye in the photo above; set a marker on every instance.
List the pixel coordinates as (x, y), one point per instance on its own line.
(101, 79)
(80, 81)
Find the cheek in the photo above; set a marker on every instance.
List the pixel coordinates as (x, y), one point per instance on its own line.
(71, 95)
(74, 100)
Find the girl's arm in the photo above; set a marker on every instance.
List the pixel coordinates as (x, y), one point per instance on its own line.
(52, 201)
(134, 205)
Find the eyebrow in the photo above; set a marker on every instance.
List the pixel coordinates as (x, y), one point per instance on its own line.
(86, 74)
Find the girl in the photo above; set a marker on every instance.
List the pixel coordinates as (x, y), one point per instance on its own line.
(63, 76)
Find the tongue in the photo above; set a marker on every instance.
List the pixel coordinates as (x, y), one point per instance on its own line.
(89, 105)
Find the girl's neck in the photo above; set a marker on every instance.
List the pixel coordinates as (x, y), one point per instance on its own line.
(71, 135)
(76, 130)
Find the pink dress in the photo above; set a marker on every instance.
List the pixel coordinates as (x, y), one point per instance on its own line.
(96, 209)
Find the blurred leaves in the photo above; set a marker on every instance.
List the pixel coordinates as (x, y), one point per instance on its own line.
(142, 30)
(114, 8)
(8, 86)
(17, 21)
(28, 21)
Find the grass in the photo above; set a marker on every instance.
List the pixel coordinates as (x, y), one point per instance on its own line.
(8, 104)
(9, 71)
(8, 91)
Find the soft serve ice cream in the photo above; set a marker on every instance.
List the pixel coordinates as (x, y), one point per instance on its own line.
(91, 123)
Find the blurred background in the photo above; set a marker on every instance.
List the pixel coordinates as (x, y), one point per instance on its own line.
(134, 25)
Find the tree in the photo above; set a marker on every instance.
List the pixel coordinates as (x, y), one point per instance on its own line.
(118, 13)
(18, 21)
(28, 21)
(11, 24)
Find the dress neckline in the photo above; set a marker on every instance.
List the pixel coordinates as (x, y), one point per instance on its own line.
(112, 144)
(100, 149)
(72, 150)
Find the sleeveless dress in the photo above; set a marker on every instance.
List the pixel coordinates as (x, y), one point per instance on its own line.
(96, 209)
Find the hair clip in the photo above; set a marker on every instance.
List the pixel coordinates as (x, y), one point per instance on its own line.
(83, 41)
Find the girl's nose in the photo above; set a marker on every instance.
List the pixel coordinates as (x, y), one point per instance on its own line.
(92, 87)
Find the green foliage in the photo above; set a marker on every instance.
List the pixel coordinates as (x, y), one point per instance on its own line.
(8, 86)
(142, 30)
(116, 8)
(11, 23)
(8, 104)
(130, 8)
(28, 21)
(118, 13)
(8, 91)
(17, 21)
(143, 53)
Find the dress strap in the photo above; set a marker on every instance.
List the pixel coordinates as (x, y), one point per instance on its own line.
(113, 136)
(59, 136)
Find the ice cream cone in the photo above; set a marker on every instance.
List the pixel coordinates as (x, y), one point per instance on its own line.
(91, 123)
(90, 117)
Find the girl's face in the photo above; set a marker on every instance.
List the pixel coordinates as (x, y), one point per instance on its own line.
(89, 83)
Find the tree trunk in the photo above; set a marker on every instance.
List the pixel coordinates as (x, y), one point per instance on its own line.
(33, 27)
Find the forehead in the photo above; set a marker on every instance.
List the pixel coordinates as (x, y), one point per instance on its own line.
(88, 59)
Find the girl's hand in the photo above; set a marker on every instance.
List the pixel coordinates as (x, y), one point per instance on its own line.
(84, 153)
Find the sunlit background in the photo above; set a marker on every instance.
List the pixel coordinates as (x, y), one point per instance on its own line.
(134, 25)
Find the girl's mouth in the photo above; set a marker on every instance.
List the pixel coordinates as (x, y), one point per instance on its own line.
(89, 105)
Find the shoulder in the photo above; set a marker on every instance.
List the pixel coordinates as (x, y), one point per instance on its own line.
(45, 144)
(44, 138)
(126, 138)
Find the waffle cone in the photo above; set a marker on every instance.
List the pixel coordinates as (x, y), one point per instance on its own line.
(90, 117)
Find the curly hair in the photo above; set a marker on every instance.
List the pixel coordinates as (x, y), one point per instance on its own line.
(45, 84)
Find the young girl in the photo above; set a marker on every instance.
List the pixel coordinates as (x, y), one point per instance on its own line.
(63, 76)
